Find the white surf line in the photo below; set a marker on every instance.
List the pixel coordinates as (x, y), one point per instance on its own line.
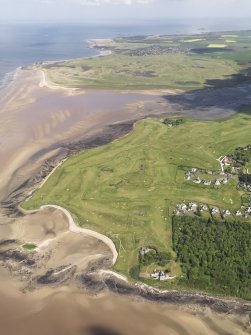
(76, 229)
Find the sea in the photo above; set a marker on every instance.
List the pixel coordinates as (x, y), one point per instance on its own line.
(23, 44)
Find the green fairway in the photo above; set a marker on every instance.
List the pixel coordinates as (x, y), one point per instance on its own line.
(129, 189)
(29, 246)
(119, 71)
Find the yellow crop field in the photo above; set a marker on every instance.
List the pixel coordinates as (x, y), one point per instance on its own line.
(217, 46)
(194, 40)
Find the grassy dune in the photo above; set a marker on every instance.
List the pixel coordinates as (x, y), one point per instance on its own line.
(119, 71)
(157, 62)
(129, 188)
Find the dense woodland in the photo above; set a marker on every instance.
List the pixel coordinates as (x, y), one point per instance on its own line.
(173, 122)
(245, 178)
(215, 256)
(159, 258)
(241, 156)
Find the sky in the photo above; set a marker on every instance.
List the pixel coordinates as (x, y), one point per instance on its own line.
(120, 10)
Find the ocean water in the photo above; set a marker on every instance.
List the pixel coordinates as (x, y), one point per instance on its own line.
(26, 44)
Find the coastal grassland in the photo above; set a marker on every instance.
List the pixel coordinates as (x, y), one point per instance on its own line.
(118, 71)
(129, 189)
(183, 62)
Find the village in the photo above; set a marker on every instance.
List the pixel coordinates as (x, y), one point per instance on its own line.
(232, 167)
(193, 208)
(208, 178)
(158, 50)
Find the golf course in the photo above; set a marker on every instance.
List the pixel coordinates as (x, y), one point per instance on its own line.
(129, 189)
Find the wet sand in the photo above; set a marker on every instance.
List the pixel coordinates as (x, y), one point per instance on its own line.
(64, 313)
(35, 124)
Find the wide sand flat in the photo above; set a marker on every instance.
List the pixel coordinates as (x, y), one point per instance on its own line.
(68, 312)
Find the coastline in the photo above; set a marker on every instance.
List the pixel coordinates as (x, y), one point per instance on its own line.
(179, 297)
(9, 77)
(119, 284)
(127, 287)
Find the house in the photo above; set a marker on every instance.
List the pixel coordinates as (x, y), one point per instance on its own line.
(248, 210)
(227, 161)
(203, 208)
(161, 275)
(192, 206)
(210, 172)
(217, 182)
(182, 207)
(226, 212)
(207, 182)
(197, 180)
(188, 176)
(158, 275)
(238, 213)
(214, 211)
(144, 250)
(225, 181)
(194, 170)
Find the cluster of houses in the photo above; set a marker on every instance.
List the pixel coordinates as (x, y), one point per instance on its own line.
(162, 275)
(183, 209)
(229, 162)
(235, 162)
(247, 187)
(193, 175)
(191, 207)
(157, 50)
(244, 212)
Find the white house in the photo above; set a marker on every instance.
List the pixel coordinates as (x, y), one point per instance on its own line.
(214, 211)
(203, 208)
(197, 180)
(226, 212)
